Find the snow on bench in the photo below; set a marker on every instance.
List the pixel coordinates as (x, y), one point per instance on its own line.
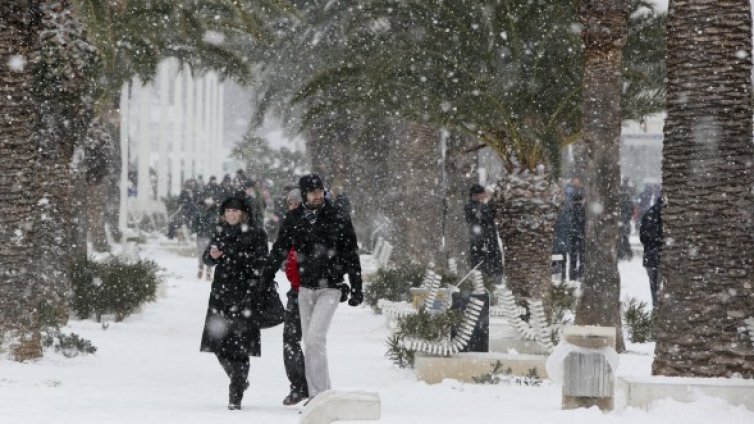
(334, 405)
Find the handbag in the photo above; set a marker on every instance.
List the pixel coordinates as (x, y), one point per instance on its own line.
(266, 309)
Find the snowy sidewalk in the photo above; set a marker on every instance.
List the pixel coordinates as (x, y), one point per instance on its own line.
(148, 369)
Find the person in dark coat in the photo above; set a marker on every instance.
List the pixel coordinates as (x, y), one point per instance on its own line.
(561, 238)
(650, 234)
(204, 225)
(626, 206)
(326, 249)
(238, 252)
(577, 236)
(483, 234)
(255, 201)
(293, 356)
(213, 190)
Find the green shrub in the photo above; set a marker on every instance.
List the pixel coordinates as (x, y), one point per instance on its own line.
(392, 284)
(112, 287)
(422, 325)
(498, 375)
(69, 345)
(564, 303)
(638, 319)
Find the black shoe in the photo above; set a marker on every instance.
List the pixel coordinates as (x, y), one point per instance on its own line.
(293, 398)
(236, 395)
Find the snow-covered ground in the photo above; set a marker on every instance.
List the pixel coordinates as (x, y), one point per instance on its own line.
(148, 369)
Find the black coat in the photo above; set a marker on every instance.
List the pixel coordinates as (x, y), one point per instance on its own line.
(483, 238)
(578, 223)
(205, 222)
(237, 279)
(650, 234)
(325, 250)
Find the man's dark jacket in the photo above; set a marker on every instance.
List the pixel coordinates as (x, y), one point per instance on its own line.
(650, 234)
(483, 238)
(326, 249)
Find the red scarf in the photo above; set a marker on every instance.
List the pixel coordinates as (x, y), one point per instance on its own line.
(291, 269)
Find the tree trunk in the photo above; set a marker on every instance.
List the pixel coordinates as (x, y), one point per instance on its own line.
(19, 41)
(526, 206)
(706, 262)
(369, 182)
(46, 113)
(413, 203)
(98, 156)
(461, 169)
(604, 31)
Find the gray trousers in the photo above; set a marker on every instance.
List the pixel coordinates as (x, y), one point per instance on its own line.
(317, 307)
(201, 245)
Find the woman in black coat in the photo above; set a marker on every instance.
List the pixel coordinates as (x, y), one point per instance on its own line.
(238, 252)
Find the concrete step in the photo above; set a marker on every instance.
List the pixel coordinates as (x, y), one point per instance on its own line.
(335, 405)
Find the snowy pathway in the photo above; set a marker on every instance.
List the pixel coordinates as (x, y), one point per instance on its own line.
(148, 369)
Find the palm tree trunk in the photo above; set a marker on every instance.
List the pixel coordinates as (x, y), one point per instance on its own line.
(45, 115)
(64, 93)
(98, 155)
(461, 169)
(19, 41)
(413, 204)
(604, 31)
(706, 262)
(526, 206)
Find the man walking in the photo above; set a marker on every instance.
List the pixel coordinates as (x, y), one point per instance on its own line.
(326, 249)
(650, 234)
(483, 234)
(293, 356)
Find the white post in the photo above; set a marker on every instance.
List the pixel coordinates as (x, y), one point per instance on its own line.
(176, 180)
(199, 127)
(162, 159)
(212, 123)
(207, 124)
(123, 210)
(143, 185)
(188, 146)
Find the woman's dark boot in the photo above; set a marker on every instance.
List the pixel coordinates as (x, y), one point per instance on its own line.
(236, 395)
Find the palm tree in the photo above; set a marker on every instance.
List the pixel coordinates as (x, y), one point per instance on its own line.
(706, 260)
(42, 42)
(17, 209)
(507, 75)
(604, 31)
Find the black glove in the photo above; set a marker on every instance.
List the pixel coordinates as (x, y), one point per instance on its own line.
(356, 297)
(343, 291)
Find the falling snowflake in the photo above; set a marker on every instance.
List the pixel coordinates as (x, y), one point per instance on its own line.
(213, 37)
(17, 63)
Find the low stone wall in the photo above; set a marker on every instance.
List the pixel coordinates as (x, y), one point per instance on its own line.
(641, 391)
(465, 366)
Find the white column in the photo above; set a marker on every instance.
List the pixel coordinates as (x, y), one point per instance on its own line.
(220, 146)
(162, 141)
(210, 119)
(143, 185)
(206, 124)
(176, 179)
(189, 119)
(123, 210)
(199, 128)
